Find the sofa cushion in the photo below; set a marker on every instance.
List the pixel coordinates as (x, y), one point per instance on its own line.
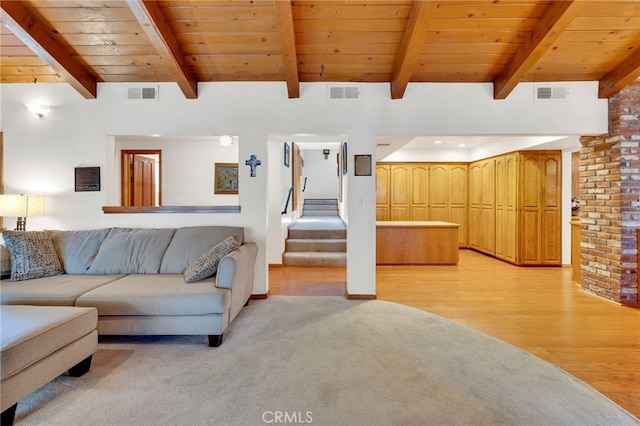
(132, 251)
(164, 294)
(60, 290)
(32, 255)
(207, 264)
(31, 334)
(77, 249)
(189, 243)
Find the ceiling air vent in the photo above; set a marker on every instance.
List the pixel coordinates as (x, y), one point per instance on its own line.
(345, 92)
(138, 93)
(550, 93)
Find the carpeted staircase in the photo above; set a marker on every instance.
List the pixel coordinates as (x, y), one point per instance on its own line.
(318, 238)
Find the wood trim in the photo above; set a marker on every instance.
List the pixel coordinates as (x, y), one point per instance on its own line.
(170, 209)
(361, 296)
(259, 296)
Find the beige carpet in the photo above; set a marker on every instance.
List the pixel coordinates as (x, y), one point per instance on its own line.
(321, 361)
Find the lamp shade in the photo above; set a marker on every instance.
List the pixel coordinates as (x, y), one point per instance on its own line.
(21, 205)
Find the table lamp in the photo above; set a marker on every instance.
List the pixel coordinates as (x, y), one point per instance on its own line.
(22, 207)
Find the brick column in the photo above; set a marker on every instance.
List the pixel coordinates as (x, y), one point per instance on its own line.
(610, 202)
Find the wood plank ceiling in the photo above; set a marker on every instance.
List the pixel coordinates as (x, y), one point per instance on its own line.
(85, 42)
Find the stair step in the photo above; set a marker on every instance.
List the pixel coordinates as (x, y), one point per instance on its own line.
(321, 201)
(306, 212)
(316, 245)
(317, 234)
(320, 207)
(314, 259)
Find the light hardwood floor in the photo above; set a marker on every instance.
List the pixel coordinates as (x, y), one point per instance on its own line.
(539, 309)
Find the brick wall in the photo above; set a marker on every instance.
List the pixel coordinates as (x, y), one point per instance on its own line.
(610, 202)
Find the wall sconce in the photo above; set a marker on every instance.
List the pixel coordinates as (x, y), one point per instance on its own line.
(225, 140)
(326, 154)
(39, 110)
(22, 207)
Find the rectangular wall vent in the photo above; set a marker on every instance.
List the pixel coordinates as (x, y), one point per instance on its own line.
(550, 93)
(345, 92)
(139, 93)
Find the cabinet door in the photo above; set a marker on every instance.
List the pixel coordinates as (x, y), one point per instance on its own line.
(400, 192)
(530, 188)
(506, 213)
(419, 187)
(475, 205)
(551, 200)
(488, 232)
(382, 192)
(458, 195)
(439, 192)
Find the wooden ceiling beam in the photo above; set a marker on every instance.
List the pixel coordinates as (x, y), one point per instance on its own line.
(621, 76)
(555, 20)
(413, 40)
(289, 56)
(37, 35)
(150, 16)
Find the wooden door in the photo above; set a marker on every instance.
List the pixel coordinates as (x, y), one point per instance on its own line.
(139, 186)
(419, 187)
(144, 187)
(400, 192)
(382, 192)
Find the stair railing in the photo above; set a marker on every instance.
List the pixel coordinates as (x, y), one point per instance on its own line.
(286, 206)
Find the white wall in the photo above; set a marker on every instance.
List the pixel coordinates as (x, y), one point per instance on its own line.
(321, 174)
(40, 154)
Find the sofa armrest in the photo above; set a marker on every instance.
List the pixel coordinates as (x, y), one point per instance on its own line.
(235, 272)
(237, 266)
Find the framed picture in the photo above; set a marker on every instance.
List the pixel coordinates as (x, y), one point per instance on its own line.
(287, 154)
(87, 179)
(344, 158)
(226, 178)
(362, 165)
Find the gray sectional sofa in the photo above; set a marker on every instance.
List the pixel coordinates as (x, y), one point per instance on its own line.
(142, 281)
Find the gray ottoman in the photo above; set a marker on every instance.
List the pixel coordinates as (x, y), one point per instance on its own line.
(38, 344)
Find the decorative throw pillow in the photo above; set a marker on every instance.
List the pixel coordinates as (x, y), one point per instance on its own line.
(207, 264)
(32, 255)
(5, 261)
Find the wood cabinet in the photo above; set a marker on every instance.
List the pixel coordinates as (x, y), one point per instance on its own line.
(526, 206)
(508, 206)
(423, 192)
(482, 209)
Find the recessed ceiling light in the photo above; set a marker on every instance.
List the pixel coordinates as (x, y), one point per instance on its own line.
(437, 142)
(461, 145)
(155, 135)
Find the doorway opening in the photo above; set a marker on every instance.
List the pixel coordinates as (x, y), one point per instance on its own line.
(141, 182)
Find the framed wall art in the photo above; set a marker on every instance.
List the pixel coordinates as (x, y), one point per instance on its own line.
(362, 165)
(226, 178)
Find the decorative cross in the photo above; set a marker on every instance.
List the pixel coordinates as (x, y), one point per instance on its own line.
(253, 162)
